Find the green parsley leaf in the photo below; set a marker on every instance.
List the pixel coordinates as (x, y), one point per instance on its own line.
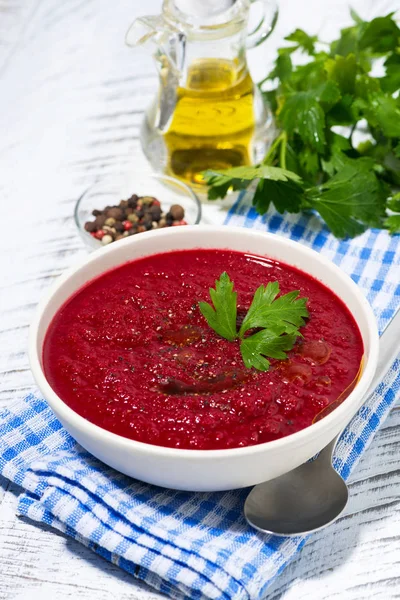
(342, 113)
(285, 195)
(267, 342)
(277, 317)
(284, 312)
(328, 94)
(393, 224)
(347, 42)
(393, 221)
(281, 186)
(342, 70)
(220, 183)
(303, 114)
(282, 69)
(391, 82)
(384, 112)
(222, 318)
(355, 16)
(250, 173)
(306, 77)
(380, 35)
(394, 203)
(338, 146)
(349, 201)
(309, 163)
(303, 40)
(365, 86)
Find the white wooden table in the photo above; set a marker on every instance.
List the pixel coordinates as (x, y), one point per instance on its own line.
(71, 98)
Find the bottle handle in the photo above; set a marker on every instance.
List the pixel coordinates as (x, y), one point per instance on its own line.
(266, 24)
(143, 30)
(170, 41)
(169, 56)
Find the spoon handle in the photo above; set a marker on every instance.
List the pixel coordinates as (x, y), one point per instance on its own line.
(326, 453)
(389, 347)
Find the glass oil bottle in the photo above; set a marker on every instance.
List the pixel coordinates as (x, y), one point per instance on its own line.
(208, 113)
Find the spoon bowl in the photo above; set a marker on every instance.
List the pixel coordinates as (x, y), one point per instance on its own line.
(292, 504)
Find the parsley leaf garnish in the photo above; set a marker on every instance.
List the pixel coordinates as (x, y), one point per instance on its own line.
(309, 165)
(222, 318)
(277, 320)
(267, 342)
(286, 312)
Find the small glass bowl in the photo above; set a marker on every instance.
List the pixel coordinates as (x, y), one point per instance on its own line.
(111, 189)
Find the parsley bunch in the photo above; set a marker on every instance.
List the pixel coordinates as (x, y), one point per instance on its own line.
(277, 320)
(314, 162)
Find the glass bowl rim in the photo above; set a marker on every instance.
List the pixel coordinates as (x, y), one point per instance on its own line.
(158, 177)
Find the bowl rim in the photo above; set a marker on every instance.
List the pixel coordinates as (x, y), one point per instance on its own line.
(110, 177)
(295, 439)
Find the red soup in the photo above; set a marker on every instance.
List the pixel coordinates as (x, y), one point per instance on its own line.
(132, 353)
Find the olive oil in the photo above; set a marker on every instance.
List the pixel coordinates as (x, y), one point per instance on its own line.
(213, 122)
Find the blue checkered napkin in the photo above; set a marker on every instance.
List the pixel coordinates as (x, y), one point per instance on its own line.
(189, 545)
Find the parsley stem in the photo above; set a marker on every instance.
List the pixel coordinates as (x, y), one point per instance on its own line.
(351, 133)
(271, 152)
(282, 152)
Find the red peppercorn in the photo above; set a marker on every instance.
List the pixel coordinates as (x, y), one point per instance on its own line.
(99, 234)
(93, 234)
(178, 223)
(156, 202)
(127, 225)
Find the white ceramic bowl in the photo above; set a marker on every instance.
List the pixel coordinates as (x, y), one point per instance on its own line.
(205, 470)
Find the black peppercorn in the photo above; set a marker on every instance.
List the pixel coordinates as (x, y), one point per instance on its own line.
(177, 212)
(132, 201)
(115, 213)
(99, 221)
(155, 211)
(119, 226)
(90, 226)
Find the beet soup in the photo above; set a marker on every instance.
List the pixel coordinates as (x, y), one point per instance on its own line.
(132, 353)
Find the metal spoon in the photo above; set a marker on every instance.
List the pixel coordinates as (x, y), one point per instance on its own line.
(313, 495)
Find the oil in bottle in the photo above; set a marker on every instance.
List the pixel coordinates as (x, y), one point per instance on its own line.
(213, 123)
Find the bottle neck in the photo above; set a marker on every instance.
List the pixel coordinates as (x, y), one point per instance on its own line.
(207, 19)
(203, 9)
(227, 56)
